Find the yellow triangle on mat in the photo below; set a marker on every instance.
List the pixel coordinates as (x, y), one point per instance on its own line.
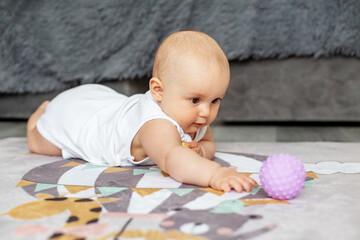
(72, 164)
(247, 174)
(145, 191)
(165, 174)
(249, 202)
(75, 189)
(24, 182)
(311, 174)
(115, 169)
(210, 190)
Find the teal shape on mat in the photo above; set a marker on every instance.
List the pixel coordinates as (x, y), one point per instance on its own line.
(255, 190)
(181, 191)
(143, 171)
(229, 206)
(44, 186)
(107, 191)
(308, 184)
(92, 166)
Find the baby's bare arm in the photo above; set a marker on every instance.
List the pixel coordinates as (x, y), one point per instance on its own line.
(205, 147)
(162, 143)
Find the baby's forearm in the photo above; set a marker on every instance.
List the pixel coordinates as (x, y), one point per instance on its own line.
(186, 166)
(208, 149)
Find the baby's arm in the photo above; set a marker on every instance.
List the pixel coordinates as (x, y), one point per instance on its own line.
(161, 141)
(205, 147)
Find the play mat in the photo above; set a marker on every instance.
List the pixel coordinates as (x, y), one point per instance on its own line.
(51, 198)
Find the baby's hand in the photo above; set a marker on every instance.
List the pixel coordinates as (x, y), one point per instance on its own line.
(195, 146)
(226, 179)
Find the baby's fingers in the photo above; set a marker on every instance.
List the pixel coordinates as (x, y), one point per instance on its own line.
(225, 187)
(246, 183)
(253, 182)
(237, 186)
(247, 186)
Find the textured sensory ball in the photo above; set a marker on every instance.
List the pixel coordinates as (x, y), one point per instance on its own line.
(282, 176)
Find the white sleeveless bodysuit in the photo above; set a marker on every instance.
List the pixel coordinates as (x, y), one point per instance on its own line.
(95, 123)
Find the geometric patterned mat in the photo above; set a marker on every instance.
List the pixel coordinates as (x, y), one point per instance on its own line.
(93, 194)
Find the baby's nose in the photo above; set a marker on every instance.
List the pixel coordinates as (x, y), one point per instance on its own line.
(204, 111)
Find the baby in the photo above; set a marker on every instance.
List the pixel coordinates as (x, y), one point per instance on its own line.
(190, 77)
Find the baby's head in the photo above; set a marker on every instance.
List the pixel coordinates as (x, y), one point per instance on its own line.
(181, 45)
(190, 76)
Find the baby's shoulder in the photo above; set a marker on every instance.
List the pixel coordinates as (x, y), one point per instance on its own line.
(158, 126)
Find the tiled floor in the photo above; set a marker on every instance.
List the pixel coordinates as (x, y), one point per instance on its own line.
(244, 133)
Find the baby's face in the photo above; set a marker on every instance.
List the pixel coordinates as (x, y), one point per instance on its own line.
(192, 96)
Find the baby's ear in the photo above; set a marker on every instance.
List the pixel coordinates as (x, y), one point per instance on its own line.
(156, 88)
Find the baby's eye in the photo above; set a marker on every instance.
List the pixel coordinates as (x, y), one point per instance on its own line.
(195, 100)
(216, 100)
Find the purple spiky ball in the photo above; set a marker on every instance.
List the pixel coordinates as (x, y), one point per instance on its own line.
(282, 176)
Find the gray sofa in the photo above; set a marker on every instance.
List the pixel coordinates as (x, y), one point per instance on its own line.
(290, 60)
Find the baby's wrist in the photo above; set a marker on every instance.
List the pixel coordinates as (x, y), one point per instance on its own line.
(202, 150)
(214, 176)
(207, 149)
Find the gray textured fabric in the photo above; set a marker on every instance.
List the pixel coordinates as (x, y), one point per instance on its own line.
(53, 45)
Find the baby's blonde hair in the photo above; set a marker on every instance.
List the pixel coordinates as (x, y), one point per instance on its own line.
(187, 43)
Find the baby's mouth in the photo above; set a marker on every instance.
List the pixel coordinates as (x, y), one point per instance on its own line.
(199, 125)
